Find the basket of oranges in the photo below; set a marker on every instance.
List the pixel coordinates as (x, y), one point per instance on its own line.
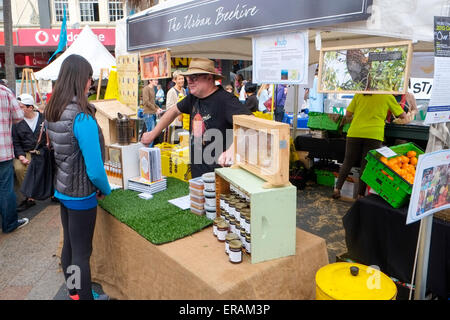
(392, 178)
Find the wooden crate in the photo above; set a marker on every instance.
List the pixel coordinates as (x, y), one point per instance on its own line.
(262, 147)
(273, 213)
(107, 115)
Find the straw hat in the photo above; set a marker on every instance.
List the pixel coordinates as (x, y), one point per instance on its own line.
(202, 65)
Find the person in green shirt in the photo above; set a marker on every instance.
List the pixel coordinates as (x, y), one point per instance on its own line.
(366, 132)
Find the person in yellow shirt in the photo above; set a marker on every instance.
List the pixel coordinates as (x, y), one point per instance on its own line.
(366, 132)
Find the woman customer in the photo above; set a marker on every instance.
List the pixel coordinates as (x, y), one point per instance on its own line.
(366, 132)
(263, 96)
(173, 95)
(80, 178)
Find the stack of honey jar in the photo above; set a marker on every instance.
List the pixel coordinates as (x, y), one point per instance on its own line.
(233, 225)
(113, 169)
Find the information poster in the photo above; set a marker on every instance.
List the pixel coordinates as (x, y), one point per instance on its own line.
(431, 187)
(281, 58)
(380, 68)
(155, 65)
(128, 82)
(439, 107)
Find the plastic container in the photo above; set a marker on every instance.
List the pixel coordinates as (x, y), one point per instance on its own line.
(210, 212)
(324, 121)
(210, 198)
(197, 199)
(325, 178)
(209, 180)
(197, 211)
(198, 206)
(196, 183)
(196, 192)
(385, 181)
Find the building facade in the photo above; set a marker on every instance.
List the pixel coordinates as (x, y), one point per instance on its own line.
(37, 24)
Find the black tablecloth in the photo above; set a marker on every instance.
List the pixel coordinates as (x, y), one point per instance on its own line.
(377, 234)
(330, 148)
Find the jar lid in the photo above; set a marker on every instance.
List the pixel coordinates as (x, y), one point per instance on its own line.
(248, 214)
(248, 237)
(218, 219)
(209, 177)
(235, 244)
(243, 232)
(232, 202)
(240, 205)
(231, 236)
(222, 225)
(245, 210)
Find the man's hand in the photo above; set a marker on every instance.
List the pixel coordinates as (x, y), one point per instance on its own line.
(24, 160)
(148, 137)
(226, 158)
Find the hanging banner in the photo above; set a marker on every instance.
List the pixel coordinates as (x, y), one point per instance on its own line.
(281, 58)
(204, 20)
(439, 107)
(431, 188)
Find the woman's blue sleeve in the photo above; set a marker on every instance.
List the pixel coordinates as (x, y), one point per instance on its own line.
(86, 132)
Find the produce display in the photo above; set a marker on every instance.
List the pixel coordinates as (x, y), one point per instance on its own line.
(403, 165)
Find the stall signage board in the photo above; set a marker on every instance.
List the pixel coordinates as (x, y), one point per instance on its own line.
(439, 107)
(431, 185)
(205, 20)
(281, 58)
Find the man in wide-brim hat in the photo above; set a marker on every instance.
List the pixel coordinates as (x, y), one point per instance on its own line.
(211, 111)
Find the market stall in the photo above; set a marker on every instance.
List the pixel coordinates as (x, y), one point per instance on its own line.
(250, 194)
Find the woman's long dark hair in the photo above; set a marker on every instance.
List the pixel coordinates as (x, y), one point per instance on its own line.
(73, 76)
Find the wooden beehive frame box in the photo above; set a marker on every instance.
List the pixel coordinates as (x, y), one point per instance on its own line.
(262, 147)
(106, 117)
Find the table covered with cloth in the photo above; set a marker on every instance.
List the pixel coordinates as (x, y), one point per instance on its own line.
(377, 234)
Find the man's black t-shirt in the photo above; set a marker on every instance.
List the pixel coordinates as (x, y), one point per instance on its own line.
(210, 129)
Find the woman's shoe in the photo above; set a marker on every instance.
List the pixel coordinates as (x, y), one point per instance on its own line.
(336, 194)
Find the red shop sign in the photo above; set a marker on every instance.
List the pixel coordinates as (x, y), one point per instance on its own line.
(50, 37)
(2, 38)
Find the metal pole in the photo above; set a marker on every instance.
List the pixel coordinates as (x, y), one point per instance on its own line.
(425, 229)
(424, 254)
(9, 47)
(294, 120)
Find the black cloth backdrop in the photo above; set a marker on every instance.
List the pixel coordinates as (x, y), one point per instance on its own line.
(377, 234)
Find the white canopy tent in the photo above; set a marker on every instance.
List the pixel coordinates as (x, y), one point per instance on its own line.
(86, 45)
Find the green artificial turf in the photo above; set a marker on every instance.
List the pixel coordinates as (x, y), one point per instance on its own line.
(156, 220)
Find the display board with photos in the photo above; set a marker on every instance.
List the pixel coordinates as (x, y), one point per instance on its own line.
(381, 68)
(128, 78)
(155, 64)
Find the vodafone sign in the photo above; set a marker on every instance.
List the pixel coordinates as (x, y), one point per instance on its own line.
(50, 37)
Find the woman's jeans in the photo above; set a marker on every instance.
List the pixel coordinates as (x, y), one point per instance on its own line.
(8, 203)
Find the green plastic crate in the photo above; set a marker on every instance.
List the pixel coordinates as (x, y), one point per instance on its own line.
(324, 121)
(346, 127)
(325, 178)
(386, 182)
(314, 120)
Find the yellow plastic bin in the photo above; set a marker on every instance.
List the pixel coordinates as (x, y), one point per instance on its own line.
(353, 281)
